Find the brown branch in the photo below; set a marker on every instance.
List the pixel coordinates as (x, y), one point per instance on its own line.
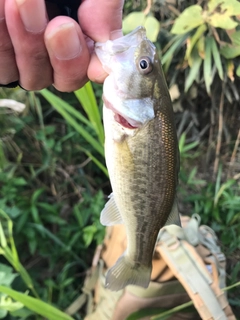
(234, 153)
(148, 7)
(173, 9)
(211, 131)
(233, 156)
(219, 136)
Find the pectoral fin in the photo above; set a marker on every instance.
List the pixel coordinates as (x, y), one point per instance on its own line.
(174, 217)
(110, 214)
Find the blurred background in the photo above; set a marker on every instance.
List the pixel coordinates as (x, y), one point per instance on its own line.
(53, 179)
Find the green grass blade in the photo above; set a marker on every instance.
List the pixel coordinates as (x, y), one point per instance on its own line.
(186, 305)
(57, 102)
(193, 40)
(145, 313)
(95, 160)
(60, 106)
(88, 101)
(98, 163)
(11, 254)
(51, 236)
(168, 313)
(175, 47)
(194, 71)
(207, 65)
(42, 308)
(216, 57)
(223, 187)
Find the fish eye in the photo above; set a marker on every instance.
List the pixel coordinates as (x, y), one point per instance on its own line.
(145, 65)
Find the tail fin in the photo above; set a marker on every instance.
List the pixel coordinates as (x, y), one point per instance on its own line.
(125, 272)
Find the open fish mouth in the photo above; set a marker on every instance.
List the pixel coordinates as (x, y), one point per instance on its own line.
(123, 120)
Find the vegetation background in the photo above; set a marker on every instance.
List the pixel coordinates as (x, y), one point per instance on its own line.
(53, 180)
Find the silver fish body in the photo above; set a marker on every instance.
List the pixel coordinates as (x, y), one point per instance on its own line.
(141, 152)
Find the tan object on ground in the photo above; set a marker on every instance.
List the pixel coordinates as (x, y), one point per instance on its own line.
(187, 265)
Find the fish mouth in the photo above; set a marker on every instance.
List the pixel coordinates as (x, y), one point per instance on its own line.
(124, 121)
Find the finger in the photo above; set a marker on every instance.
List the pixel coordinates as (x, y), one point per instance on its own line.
(95, 71)
(68, 53)
(100, 20)
(26, 22)
(8, 66)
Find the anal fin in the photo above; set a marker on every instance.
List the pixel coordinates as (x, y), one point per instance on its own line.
(110, 214)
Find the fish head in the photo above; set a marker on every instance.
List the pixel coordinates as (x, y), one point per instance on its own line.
(133, 67)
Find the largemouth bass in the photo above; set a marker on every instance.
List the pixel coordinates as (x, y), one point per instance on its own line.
(141, 152)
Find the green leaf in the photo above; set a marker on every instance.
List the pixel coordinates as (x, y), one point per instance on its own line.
(230, 7)
(216, 57)
(207, 65)
(3, 240)
(3, 313)
(152, 26)
(42, 308)
(194, 70)
(88, 234)
(23, 313)
(189, 19)
(88, 101)
(223, 187)
(230, 51)
(37, 193)
(19, 182)
(223, 21)
(238, 71)
(3, 160)
(6, 275)
(193, 40)
(35, 214)
(235, 37)
(132, 21)
(201, 47)
(7, 304)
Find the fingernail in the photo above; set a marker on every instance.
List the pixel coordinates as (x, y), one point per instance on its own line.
(116, 34)
(64, 42)
(2, 14)
(33, 14)
(101, 77)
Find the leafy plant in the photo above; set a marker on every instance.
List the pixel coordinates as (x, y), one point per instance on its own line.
(48, 193)
(6, 303)
(209, 42)
(11, 254)
(71, 115)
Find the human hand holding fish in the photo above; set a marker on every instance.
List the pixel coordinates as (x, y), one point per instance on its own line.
(40, 44)
(141, 152)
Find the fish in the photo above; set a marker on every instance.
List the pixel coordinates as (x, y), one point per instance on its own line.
(141, 152)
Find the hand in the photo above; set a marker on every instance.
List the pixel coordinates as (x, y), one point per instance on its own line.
(38, 52)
